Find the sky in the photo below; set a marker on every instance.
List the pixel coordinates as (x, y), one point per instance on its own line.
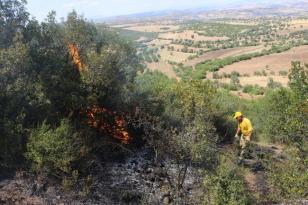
(92, 9)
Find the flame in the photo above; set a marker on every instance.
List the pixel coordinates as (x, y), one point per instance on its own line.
(95, 114)
(117, 128)
(76, 57)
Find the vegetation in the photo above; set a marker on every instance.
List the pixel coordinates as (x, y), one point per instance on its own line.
(255, 90)
(226, 186)
(72, 92)
(215, 65)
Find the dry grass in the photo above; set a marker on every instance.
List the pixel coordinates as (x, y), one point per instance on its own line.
(178, 47)
(163, 67)
(175, 56)
(245, 96)
(295, 25)
(159, 42)
(258, 80)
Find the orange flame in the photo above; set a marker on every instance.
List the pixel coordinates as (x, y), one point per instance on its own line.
(76, 57)
(116, 129)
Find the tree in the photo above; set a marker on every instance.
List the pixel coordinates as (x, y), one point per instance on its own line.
(299, 80)
(13, 18)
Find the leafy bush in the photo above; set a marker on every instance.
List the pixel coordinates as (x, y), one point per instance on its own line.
(283, 73)
(272, 84)
(257, 73)
(286, 110)
(216, 75)
(290, 179)
(235, 73)
(226, 186)
(264, 73)
(52, 150)
(235, 82)
(255, 90)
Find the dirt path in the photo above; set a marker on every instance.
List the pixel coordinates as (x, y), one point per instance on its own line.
(257, 185)
(255, 176)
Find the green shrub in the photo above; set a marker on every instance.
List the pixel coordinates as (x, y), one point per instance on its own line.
(272, 84)
(254, 89)
(235, 82)
(225, 75)
(216, 75)
(290, 179)
(235, 73)
(283, 73)
(226, 186)
(264, 73)
(257, 73)
(52, 150)
(11, 143)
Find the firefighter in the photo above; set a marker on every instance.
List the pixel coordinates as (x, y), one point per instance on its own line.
(243, 133)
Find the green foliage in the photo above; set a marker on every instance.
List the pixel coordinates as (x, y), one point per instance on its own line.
(299, 80)
(272, 84)
(217, 29)
(39, 81)
(216, 64)
(52, 150)
(11, 142)
(254, 89)
(184, 72)
(226, 186)
(257, 73)
(13, 18)
(285, 110)
(235, 81)
(216, 75)
(283, 73)
(290, 179)
(185, 109)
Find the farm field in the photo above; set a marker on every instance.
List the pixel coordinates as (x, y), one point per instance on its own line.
(258, 80)
(162, 67)
(255, 49)
(152, 28)
(271, 63)
(219, 54)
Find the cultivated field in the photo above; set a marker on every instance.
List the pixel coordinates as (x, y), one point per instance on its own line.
(219, 54)
(174, 56)
(163, 67)
(255, 49)
(151, 28)
(275, 62)
(258, 80)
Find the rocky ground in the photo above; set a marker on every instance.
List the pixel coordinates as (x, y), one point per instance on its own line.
(138, 179)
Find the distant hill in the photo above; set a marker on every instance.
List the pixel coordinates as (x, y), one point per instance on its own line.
(242, 9)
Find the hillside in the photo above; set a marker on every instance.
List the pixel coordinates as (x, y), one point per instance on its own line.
(152, 112)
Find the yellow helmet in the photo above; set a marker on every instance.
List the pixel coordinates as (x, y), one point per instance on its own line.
(237, 114)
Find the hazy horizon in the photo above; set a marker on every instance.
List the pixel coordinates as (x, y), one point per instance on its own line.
(92, 9)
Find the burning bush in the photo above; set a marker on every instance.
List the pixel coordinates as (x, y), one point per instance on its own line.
(108, 122)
